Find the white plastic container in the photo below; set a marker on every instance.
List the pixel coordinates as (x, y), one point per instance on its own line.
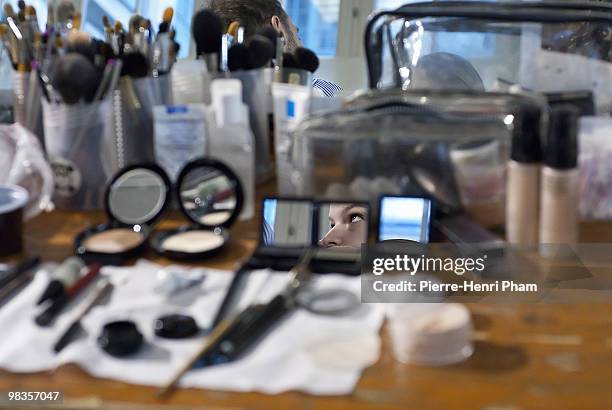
(231, 139)
(180, 135)
(430, 334)
(291, 106)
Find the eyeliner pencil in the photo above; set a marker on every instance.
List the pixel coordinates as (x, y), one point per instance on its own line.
(104, 288)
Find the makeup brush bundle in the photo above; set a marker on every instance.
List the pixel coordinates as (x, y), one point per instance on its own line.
(257, 62)
(228, 51)
(148, 59)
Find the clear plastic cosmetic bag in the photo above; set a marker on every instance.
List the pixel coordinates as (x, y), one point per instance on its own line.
(536, 46)
(449, 145)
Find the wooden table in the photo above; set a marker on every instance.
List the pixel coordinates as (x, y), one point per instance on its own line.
(530, 356)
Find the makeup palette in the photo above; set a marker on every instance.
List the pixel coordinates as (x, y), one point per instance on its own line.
(210, 196)
(135, 199)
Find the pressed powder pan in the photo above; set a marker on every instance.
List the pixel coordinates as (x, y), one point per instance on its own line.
(210, 196)
(135, 199)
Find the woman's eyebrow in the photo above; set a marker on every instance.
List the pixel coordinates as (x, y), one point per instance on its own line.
(348, 207)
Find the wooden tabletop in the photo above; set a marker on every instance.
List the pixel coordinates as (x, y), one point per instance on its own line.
(526, 357)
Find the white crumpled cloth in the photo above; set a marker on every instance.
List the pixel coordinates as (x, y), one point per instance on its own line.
(306, 352)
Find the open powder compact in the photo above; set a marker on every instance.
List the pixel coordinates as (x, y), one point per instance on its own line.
(210, 196)
(135, 199)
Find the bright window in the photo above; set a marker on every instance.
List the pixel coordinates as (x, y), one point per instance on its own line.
(122, 10)
(317, 21)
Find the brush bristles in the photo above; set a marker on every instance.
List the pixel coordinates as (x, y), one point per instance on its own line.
(8, 11)
(232, 30)
(31, 11)
(168, 15)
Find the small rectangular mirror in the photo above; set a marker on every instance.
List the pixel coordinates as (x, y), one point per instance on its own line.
(287, 222)
(342, 225)
(404, 218)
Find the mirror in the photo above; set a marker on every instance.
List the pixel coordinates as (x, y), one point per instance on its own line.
(287, 223)
(210, 194)
(137, 196)
(343, 225)
(404, 218)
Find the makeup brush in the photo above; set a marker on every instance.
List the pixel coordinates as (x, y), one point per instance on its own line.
(207, 31)
(164, 26)
(32, 19)
(289, 61)
(238, 57)
(76, 21)
(135, 65)
(47, 316)
(271, 34)
(75, 77)
(232, 29)
(50, 16)
(21, 14)
(6, 42)
(108, 29)
(65, 275)
(119, 39)
(306, 59)
(261, 51)
(65, 11)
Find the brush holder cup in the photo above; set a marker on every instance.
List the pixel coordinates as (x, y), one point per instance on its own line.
(27, 107)
(82, 151)
(133, 111)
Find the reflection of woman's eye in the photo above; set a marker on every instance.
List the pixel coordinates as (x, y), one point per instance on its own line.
(356, 218)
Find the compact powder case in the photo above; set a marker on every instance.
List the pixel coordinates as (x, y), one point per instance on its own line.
(210, 195)
(135, 199)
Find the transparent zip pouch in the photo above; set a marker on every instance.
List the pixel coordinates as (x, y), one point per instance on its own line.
(451, 146)
(539, 47)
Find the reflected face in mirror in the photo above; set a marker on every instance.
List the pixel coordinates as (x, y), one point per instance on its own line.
(208, 196)
(137, 196)
(287, 223)
(345, 225)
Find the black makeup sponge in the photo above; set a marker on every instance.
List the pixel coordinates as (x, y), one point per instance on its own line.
(238, 57)
(307, 59)
(261, 51)
(207, 30)
(75, 77)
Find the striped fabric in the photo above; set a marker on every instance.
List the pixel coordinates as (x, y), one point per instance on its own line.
(328, 88)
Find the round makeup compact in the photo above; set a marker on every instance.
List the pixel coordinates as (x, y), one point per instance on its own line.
(210, 196)
(135, 199)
